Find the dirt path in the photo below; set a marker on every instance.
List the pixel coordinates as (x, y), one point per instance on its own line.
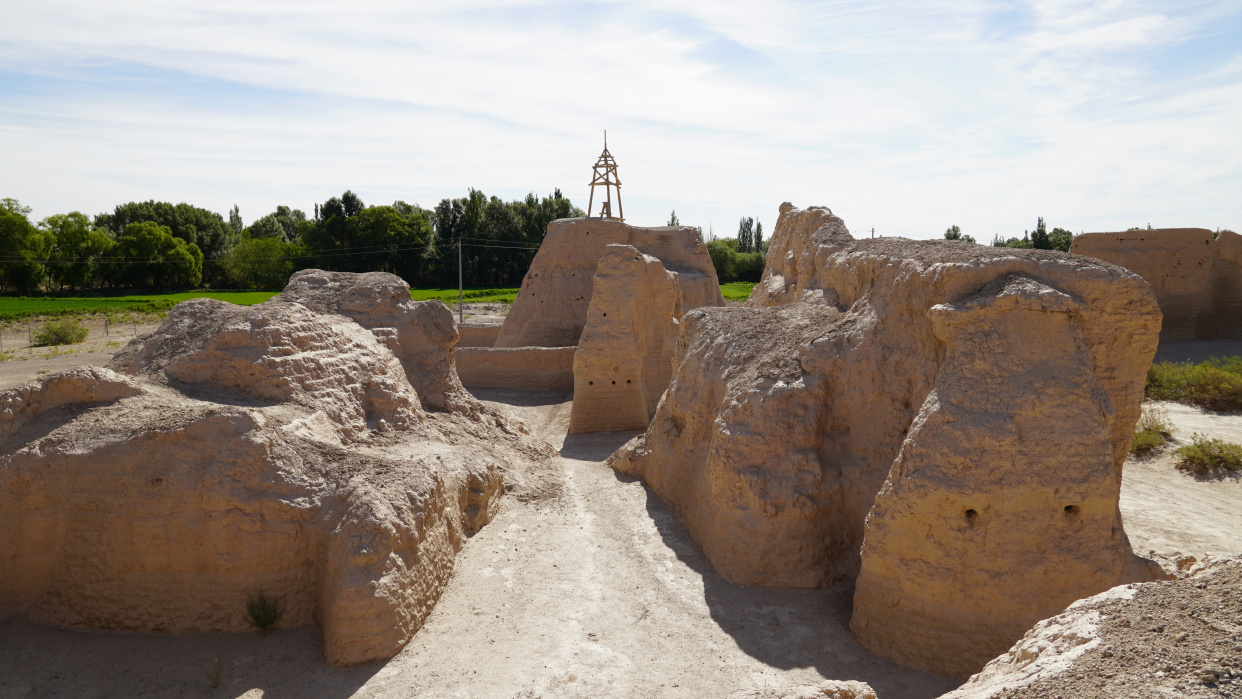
(1168, 511)
(593, 592)
(585, 586)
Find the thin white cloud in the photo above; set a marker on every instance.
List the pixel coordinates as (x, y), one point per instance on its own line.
(906, 116)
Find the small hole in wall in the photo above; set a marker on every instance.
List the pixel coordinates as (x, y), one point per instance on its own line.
(614, 383)
(971, 516)
(590, 383)
(627, 380)
(1071, 509)
(605, 315)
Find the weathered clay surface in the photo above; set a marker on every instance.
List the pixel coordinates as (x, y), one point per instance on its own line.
(551, 307)
(236, 450)
(1174, 639)
(625, 356)
(1007, 529)
(916, 370)
(1197, 280)
(828, 689)
(525, 368)
(421, 335)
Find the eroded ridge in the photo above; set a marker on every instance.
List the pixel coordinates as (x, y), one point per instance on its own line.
(316, 449)
(944, 421)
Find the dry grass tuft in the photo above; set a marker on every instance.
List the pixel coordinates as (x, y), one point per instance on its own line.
(1153, 431)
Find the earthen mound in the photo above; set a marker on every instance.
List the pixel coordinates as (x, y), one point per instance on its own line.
(279, 449)
(1176, 638)
(945, 421)
(551, 308)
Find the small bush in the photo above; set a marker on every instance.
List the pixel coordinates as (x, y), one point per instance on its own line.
(1204, 455)
(1214, 385)
(1152, 432)
(59, 332)
(262, 611)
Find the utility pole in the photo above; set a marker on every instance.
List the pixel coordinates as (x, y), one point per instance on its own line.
(461, 318)
(872, 232)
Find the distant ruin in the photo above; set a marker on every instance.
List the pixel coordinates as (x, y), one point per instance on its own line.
(537, 344)
(946, 422)
(1196, 277)
(625, 355)
(317, 448)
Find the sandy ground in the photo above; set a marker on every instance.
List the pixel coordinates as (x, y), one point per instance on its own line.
(593, 592)
(19, 362)
(1168, 511)
(483, 313)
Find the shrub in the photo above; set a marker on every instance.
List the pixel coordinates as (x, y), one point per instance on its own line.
(67, 331)
(1152, 431)
(262, 611)
(1215, 384)
(1205, 455)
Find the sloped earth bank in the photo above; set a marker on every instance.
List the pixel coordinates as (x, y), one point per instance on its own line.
(585, 585)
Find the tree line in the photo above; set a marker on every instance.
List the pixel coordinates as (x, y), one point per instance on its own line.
(160, 245)
(1039, 239)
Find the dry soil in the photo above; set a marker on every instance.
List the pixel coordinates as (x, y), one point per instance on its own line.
(584, 586)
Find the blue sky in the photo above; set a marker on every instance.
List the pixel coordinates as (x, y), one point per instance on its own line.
(904, 116)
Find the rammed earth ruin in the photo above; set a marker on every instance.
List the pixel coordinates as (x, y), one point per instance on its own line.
(944, 424)
(882, 410)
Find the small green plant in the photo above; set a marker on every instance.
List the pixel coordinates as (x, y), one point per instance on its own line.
(262, 611)
(1214, 385)
(1205, 456)
(59, 332)
(213, 676)
(1152, 432)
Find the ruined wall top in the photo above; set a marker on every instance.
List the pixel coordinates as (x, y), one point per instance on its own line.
(551, 308)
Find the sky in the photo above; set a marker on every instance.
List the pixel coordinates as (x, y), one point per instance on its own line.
(902, 117)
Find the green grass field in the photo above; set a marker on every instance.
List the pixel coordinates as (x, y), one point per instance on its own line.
(736, 291)
(471, 295)
(20, 307)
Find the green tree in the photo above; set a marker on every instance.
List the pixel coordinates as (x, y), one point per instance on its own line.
(235, 221)
(733, 265)
(205, 229)
(759, 245)
(1022, 243)
(746, 234)
(266, 227)
(77, 247)
(149, 255)
(23, 248)
(1061, 239)
(955, 233)
(1039, 238)
(672, 219)
(261, 263)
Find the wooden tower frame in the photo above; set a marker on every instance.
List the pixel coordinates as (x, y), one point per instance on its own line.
(606, 176)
